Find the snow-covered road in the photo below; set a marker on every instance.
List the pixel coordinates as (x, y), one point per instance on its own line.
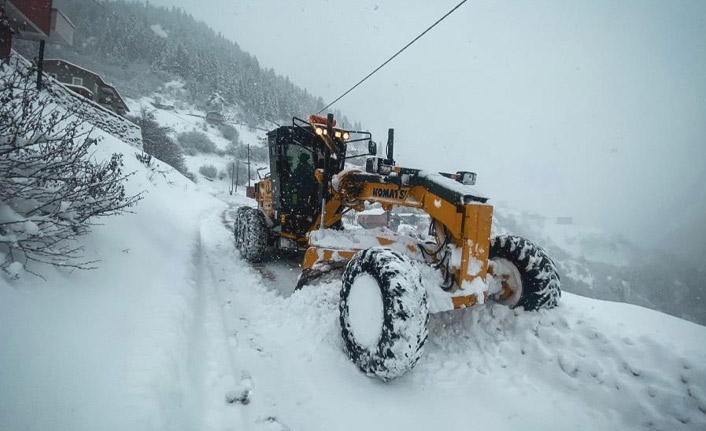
(586, 365)
(174, 327)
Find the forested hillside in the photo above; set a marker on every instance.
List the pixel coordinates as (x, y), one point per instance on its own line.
(138, 46)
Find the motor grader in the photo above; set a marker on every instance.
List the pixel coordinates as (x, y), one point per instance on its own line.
(390, 282)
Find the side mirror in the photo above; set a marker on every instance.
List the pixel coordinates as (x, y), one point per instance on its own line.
(467, 178)
(390, 146)
(372, 148)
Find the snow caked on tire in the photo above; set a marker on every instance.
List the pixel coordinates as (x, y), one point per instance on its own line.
(383, 312)
(528, 269)
(250, 233)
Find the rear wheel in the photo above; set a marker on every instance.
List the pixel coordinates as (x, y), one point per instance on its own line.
(251, 233)
(383, 312)
(524, 274)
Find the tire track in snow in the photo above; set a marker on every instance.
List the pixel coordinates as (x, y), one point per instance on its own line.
(280, 268)
(210, 364)
(247, 296)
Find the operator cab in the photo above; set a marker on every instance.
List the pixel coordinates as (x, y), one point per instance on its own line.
(296, 152)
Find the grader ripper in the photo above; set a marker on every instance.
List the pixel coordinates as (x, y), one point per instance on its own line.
(385, 303)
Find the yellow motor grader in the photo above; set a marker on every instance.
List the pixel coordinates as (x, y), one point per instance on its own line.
(390, 282)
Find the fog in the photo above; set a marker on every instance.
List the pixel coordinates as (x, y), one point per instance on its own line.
(595, 110)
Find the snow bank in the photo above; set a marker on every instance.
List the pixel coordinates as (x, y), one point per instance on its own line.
(586, 365)
(175, 331)
(107, 349)
(175, 325)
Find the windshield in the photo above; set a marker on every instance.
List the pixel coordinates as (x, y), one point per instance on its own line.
(298, 175)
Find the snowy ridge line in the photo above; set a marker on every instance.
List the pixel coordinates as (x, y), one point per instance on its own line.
(90, 111)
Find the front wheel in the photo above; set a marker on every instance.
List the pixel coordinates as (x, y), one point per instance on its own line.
(251, 233)
(383, 312)
(523, 273)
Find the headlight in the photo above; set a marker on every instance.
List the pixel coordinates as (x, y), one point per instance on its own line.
(346, 135)
(337, 133)
(319, 131)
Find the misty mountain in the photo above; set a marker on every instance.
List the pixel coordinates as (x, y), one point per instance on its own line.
(138, 47)
(687, 237)
(600, 265)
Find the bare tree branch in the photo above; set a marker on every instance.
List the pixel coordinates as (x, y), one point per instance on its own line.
(51, 188)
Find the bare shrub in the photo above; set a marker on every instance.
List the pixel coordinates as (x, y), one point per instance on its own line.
(195, 142)
(208, 171)
(51, 188)
(156, 142)
(230, 133)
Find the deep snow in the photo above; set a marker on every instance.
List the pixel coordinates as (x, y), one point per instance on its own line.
(104, 349)
(175, 331)
(585, 365)
(365, 305)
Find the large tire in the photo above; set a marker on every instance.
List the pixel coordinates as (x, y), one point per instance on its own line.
(529, 271)
(251, 233)
(383, 312)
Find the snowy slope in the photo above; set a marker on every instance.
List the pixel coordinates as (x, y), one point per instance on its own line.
(174, 328)
(181, 117)
(175, 322)
(108, 349)
(585, 365)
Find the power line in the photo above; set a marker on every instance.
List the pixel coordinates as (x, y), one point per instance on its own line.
(392, 58)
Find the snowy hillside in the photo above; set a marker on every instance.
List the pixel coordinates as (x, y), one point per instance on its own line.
(94, 349)
(175, 331)
(125, 42)
(170, 111)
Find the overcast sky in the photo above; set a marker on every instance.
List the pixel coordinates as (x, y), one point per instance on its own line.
(591, 109)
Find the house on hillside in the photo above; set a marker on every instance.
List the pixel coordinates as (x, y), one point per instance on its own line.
(215, 117)
(33, 20)
(215, 102)
(159, 104)
(86, 83)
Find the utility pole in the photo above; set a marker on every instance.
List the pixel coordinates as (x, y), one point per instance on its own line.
(40, 64)
(232, 178)
(327, 159)
(248, 165)
(237, 174)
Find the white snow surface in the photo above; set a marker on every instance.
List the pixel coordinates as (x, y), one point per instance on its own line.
(365, 311)
(191, 119)
(174, 331)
